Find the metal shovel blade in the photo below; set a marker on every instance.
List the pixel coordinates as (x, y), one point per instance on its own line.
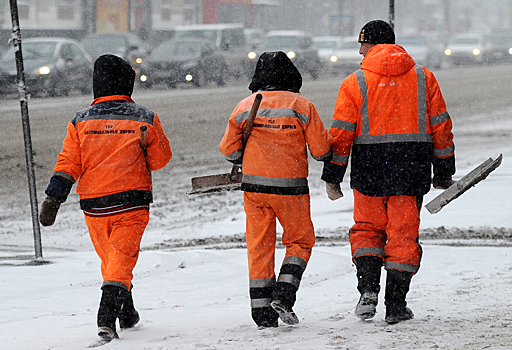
(216, 183)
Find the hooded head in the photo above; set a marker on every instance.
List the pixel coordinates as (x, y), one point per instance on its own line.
(377, 32)
(275, 71)
(112, 76)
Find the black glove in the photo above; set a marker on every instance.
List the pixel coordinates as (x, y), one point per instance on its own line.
(49, 210)
(442, 182)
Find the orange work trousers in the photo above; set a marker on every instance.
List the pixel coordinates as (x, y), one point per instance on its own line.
(387, 227)
(116, 239)
(294, 215)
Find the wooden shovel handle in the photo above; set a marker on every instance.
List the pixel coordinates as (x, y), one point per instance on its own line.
(250, 119)
(144, 137)
(247, 132)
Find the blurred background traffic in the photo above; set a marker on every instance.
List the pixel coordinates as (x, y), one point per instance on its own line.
(196, 43)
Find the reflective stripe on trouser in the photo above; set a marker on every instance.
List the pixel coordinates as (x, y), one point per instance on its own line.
(387, 227)
(116, 239)
(294, 215)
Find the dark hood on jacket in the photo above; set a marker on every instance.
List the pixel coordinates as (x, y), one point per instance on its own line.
(275, 71)
(112, 76)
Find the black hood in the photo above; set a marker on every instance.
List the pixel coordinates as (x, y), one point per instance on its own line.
(275, 71)
(112, 76)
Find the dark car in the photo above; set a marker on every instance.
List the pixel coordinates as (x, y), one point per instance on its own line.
(424, 49)
(128, 46)
(51, 65)
(298, 46)
(195, 61)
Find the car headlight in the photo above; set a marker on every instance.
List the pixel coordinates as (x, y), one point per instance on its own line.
(476, 52)
(43, 70)
(138, 60)
(510, 51)
(189, 77)
(143, 78)
(188, 65)
(252, 55)
(447, 52)
(333, 58)
(291, 54)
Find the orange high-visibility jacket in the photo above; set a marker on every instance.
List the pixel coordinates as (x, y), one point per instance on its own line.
(275, 159)
(390, 116)
(102, 151)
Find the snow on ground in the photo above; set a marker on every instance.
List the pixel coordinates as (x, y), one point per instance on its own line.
(192, 292)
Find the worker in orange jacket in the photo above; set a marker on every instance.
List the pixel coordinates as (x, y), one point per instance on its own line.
(103, 152)
(275, 171)
(390, 118)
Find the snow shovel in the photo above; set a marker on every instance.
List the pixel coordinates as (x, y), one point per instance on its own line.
(459, 187)
(233, 180)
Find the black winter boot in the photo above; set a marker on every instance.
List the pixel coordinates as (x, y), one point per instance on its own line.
(368, 284)
(110, 305)
(128, 316)
(397, 286)
(284, 295)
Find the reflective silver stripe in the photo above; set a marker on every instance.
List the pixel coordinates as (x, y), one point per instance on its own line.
(363, 87)
(339, 158)
(439, 118)
(369, 251)
(234, 155)
(110, 117)
(344, 125)
(325, 155)
(262, 282)
(289, 279)
(67, 176)
(274, 113)
(295, 260)
(372, 139)
(444, 152)
(401, 267)
(422, 100)
(258, 303)
(274, 181)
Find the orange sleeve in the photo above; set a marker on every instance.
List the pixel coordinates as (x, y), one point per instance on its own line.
(159, 149)
(345, 119)
(318, 139)
(69, 160)
(231, 143)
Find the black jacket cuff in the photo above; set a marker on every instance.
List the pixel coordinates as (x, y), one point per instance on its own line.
(59, 188)
(444, 167)
(333, 173)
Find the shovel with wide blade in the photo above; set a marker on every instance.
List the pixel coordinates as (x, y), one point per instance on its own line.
(233, 180)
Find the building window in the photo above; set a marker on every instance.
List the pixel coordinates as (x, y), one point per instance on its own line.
(23, 9)
(65, 9)
(165, 10)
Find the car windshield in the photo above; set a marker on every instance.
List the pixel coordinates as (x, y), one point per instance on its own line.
(350, 45)
(177, 48)
(33, 51)
(104, 44)
(277, 42)
(413, 40)
(465, 41)
(201, 34)
(325, 44)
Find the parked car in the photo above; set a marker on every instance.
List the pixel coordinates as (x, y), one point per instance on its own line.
(298, 45)
(501, 48)
(128, 46)
(228, 38)
(326, 46)
(424, 49)
(346, 59)
(51, 65)
(195, 61)
(469, 48)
